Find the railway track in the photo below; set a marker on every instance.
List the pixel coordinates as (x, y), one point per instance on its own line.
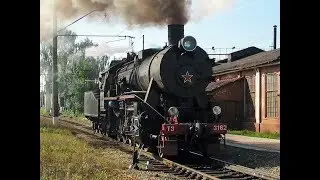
(193, 167)
(219, 169)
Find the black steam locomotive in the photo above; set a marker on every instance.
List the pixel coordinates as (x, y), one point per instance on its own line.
(157, 99)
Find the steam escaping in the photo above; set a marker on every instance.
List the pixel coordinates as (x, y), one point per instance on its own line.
(153, 12)
(105, 49)
(133, 12)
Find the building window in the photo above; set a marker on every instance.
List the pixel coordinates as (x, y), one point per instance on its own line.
(271, 93)
(250, 100)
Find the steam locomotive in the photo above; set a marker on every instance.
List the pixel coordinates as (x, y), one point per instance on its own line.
(156, 98)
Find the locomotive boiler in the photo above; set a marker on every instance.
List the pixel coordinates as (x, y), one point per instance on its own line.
(156, 98)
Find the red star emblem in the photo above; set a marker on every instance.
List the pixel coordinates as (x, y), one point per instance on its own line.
(187, 77)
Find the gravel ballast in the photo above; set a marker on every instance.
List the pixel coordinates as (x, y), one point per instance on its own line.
(268, 162)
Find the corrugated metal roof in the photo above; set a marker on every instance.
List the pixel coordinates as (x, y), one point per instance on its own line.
(249, 62)
(215, 85)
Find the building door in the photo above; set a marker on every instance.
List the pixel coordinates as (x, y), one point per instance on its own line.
(230, 114)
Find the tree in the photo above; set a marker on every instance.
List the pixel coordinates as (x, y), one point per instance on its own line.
(74, 68)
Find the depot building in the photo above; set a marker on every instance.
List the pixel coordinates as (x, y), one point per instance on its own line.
(247, 88)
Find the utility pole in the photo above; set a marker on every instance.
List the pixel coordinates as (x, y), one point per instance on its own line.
(143, 42)
(131, 42)
(275, 37)
(55, 105)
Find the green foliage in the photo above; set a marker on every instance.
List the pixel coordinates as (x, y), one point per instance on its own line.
(78, 116)
(70, 113)
(269, 135)
(74, 68)
(44, 112)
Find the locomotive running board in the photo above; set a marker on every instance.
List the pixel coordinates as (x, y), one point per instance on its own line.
(122, 97)
(150, 92)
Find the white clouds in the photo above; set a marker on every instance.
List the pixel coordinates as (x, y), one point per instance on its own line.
(203, 8)
(104, 48)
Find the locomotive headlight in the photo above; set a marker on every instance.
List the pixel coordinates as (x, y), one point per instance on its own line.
(188, 43)
(113, 104)
(173, 111)
(216, 110)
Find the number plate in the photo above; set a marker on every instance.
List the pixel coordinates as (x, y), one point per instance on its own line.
(220, 128)
(170, 128)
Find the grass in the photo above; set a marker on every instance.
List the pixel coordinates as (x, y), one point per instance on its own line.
(76, 116)
(72, 114)
(64, 156)
(269, 135)
(44, 112)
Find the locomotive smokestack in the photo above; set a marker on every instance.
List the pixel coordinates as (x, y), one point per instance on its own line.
(175, 33)
(274, 37)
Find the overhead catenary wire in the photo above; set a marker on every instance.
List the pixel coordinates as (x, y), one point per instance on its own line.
(76, 20)
(90, 35)
(95, 35)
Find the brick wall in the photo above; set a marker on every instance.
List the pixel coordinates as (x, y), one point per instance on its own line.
(269, 124)
(235, 92)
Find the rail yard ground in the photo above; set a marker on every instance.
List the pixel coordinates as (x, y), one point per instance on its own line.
(268, 162)
(67, 154)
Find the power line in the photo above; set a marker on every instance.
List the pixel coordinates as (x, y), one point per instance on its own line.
(77, 20)
(96, 35)
(116, 40)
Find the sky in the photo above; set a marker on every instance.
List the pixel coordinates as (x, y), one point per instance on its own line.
(246, 23)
